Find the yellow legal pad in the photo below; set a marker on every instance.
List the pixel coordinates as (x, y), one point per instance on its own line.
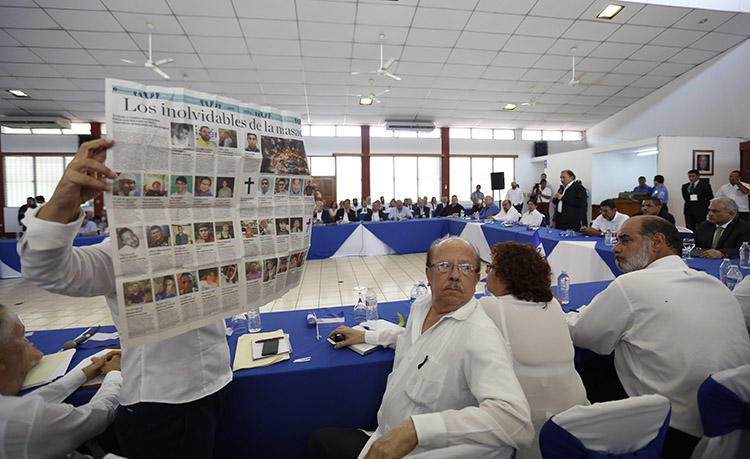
(243, 358)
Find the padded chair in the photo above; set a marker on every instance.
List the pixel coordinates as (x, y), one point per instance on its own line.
(724, 405)
(629, 428)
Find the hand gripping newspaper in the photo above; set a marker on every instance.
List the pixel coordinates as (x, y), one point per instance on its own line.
(210, 209)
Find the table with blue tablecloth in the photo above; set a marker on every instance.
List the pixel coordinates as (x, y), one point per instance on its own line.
(10, 262)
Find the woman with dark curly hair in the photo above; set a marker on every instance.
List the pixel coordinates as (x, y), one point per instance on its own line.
(532, 322)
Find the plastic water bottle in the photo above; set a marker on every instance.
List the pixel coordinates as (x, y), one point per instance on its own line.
(418, 290)
(745, 255)
(563, 287)
(253, 321)
(734, 277)
(371, 302)
(360, 312)
(723, 270)
(608, 237)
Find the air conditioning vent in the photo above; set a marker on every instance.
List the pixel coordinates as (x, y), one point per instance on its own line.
(35, 122)
(396, 125)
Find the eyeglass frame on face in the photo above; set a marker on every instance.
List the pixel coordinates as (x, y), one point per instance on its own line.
(489, 269)
(465, 269)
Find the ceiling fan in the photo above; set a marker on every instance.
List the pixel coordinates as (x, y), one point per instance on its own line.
(383, 69)
(151, 64)
(573, 80)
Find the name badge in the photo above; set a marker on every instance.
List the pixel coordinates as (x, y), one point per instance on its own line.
(693, 197)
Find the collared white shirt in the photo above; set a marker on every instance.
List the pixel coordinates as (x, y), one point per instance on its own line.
(394, 214)
(511, 216)
(460, 393)
(515, 196)
(602, 224)
(180, 369)
(346, 217)
(39, 425)
(670, 327)
(733, 192)
(549, 192)
(534, 218)
(319, 215)
(375, 216)
(560, 202)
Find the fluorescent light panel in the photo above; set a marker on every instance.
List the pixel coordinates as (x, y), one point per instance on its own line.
(18, 93)
(365, 101)
(510, 107)
(609, 12)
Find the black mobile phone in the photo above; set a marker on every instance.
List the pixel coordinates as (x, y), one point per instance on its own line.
(270, 347)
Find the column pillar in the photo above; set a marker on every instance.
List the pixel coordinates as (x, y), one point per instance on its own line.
(365, 136)
(445, 151)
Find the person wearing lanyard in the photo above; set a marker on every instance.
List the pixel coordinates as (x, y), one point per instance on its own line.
(697, 194)
(171, 389)
(447, 395)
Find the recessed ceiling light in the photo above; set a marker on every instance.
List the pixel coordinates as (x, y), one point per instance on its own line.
(609, 12)
(365, 100)
(18, 93)
(510, 107)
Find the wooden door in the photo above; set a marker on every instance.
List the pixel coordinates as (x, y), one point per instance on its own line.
(327, 187)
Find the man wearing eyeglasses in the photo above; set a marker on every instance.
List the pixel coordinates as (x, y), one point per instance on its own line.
(452, 390)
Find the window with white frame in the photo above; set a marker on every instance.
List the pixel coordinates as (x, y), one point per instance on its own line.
(322, 166)
(404, 177)
(31, 176)
(348, 177)
(468, 172)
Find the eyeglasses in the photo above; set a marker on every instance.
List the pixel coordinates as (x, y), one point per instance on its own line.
(446, 266)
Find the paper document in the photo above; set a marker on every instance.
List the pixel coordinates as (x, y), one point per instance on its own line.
(379, 324)
(243, 358)
(51, 367)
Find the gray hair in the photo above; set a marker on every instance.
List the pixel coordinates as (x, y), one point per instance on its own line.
(728, 203)
(438, 242)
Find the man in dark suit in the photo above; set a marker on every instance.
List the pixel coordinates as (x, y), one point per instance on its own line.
(653, 206)
(376, 213)
(420, 210)
(697, 194)
(321, 214)
(570, 202)
(724, 232)
(346, 214)
(443, 204)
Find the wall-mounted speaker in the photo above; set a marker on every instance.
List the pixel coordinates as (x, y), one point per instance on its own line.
(540, 148)
(498, 180)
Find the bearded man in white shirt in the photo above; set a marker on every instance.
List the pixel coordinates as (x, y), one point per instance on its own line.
(39, 424)
(509, 214)
(532, 217)
(171, 389)
(609, 219)
(669, 326)
(447, 395)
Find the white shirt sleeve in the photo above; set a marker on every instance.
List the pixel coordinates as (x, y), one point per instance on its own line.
(742, 293)
(502, 417)
(600, 325)
(59, 428)
(385, 338)
(49, 260)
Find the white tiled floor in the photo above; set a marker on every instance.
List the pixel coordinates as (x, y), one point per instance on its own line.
(325, 283)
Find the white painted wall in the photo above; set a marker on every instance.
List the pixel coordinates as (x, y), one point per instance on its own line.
(711, 100)
(39, 143)
(613, 172)
(676, 158)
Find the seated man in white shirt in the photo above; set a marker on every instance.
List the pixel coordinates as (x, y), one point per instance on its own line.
(171, 389)
(39, 424)
(609, 219)
(532, 217)
(509, 213)
(670, 326)
(447, 394)
(399, 212)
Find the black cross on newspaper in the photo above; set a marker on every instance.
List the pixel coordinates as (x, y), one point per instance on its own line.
(249, 183)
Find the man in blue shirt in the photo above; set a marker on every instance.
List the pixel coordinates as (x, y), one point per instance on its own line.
(489, 209)
(659, 190)
(642, 187)
(399, 212)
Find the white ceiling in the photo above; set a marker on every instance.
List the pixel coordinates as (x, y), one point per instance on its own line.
(461, 60)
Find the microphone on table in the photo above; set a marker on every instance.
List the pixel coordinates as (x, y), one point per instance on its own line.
(83, 337)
